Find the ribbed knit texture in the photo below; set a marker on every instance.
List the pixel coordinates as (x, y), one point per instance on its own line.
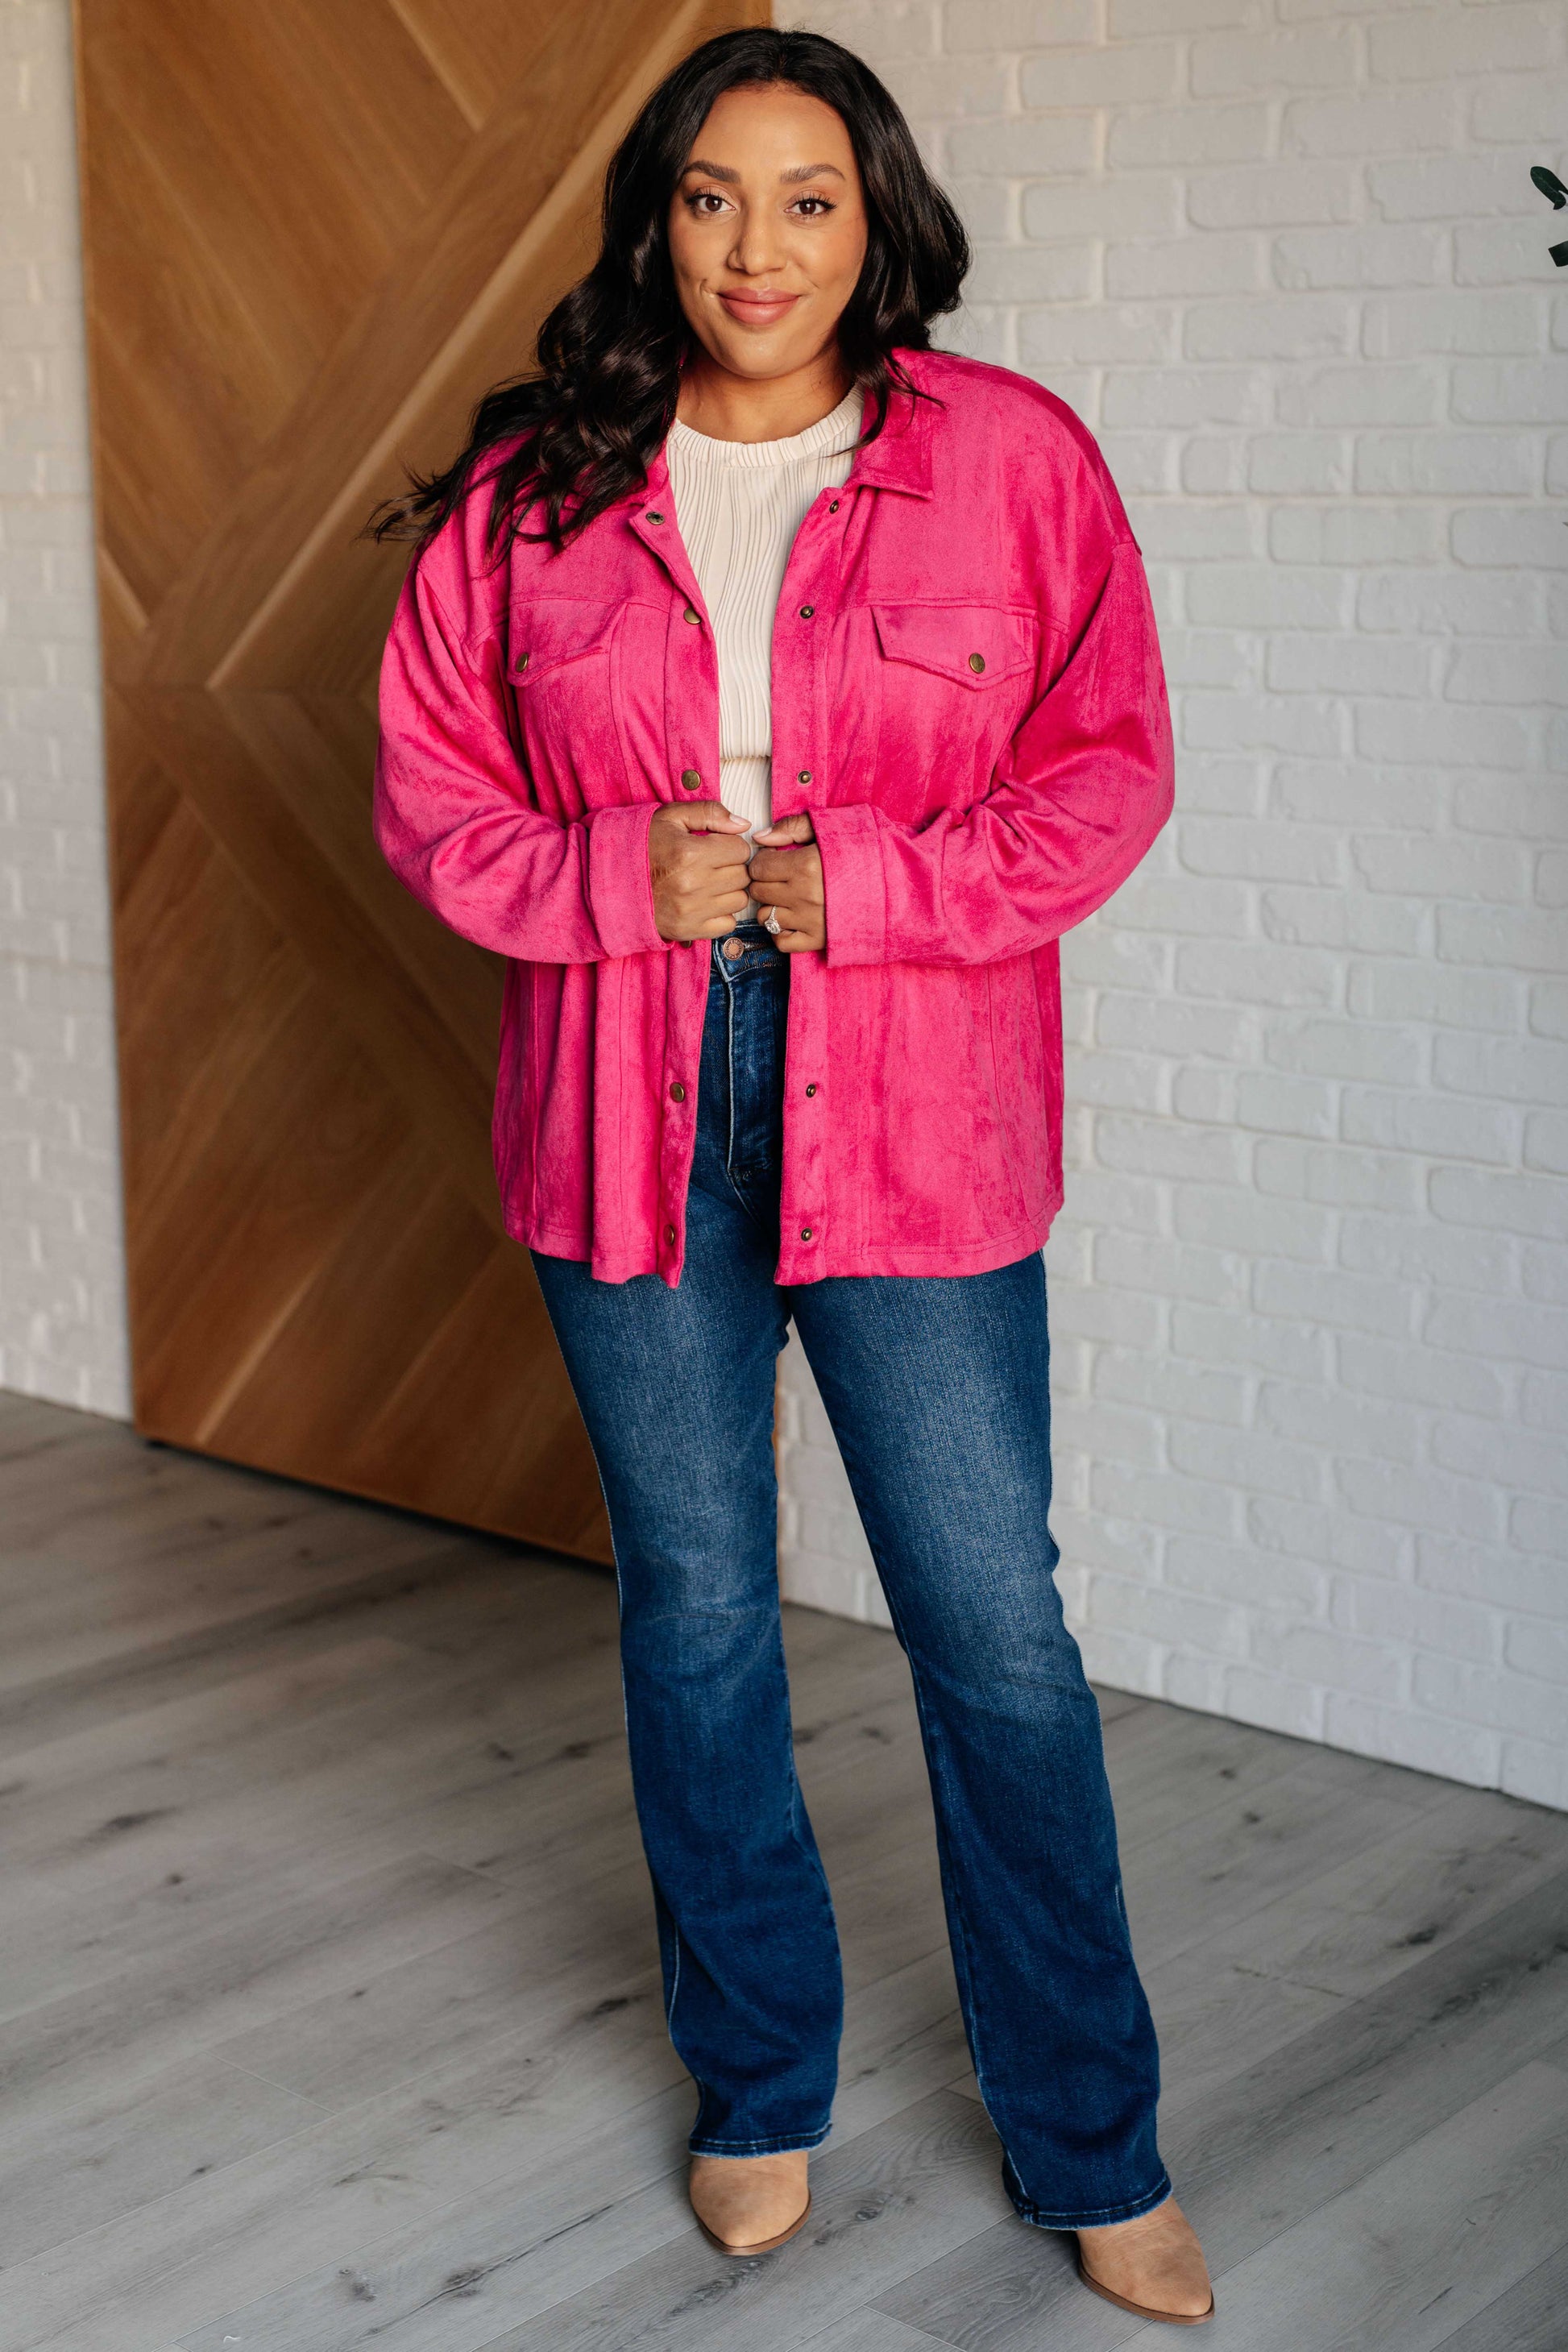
(738, 506)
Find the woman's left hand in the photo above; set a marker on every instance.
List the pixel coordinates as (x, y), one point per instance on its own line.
(786, 873)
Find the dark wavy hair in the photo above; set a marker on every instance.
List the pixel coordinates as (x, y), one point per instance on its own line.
(595, 408)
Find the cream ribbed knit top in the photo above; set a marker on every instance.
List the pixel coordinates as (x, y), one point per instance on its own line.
(738, 506)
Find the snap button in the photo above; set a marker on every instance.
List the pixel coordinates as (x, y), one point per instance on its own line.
(806, 1232)
(693, 615)
(812, 1089)
(677, 1092)
(977, 662)
(833, 506)
(692, 780)
(806, 611)
(653, 516)
(731, 949)
(669, 1236)
(521, 664)
(802, 776)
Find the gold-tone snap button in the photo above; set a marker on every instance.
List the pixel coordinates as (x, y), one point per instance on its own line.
(677, 1091)
(653, 517)
(977, 662)
(693, 615)
(802, 776)
(806, 1232)
(806, 611)
(669, 1236)
(691, 779)
(521, 664)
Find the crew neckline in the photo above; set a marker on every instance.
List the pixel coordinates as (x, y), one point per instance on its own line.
(834, 434)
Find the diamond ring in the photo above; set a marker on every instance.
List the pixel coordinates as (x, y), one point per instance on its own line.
(771, 921)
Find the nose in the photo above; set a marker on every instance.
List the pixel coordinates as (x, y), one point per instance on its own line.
(756, 246)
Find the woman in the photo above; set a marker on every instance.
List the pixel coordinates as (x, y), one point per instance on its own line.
(773, 691)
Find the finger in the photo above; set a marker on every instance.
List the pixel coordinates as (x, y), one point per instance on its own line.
(704, 816)
(786, 859)
(793, 893)
(726, 848)
(714, 907)
(797, 827)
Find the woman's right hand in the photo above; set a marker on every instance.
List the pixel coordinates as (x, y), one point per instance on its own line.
(697, 857)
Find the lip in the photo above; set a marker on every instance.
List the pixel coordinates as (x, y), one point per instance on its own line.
(758, 310)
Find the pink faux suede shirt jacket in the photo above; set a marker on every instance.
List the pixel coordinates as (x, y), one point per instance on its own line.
(967, 698)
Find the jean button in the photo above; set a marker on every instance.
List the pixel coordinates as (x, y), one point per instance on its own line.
(731, 949)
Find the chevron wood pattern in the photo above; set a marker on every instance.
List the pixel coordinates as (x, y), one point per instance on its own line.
(314, 233)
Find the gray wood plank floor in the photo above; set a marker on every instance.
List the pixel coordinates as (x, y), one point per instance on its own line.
(328, 2005)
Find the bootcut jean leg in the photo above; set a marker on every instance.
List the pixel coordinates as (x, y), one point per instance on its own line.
(938, 1390)
(938, 1395)
(677, 1390)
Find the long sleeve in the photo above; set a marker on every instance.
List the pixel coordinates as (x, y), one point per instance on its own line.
(1081, 792)
(451, 814)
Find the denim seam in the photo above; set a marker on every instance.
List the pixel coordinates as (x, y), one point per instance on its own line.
(812, 1859)
(951, 1877)
(730, 1077)
(776, 2144)
(948, 1876)
(749, 1207)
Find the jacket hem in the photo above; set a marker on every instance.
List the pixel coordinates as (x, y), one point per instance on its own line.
(794, 1273)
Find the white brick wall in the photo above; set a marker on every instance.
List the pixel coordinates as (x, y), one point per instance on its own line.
(1312, 1351)
(62, 1316)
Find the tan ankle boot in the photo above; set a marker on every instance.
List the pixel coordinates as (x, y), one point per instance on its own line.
(1153, 2266)
(749, 2204)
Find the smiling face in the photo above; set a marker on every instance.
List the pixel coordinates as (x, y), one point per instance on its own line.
(767, 232)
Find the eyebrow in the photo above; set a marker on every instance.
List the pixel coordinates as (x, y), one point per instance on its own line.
(801, 172)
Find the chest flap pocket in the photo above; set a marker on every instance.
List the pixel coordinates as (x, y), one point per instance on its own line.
(548, 631)
(562, 669)
(977, 646)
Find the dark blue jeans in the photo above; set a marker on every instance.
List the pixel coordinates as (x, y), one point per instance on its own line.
(937, 1390)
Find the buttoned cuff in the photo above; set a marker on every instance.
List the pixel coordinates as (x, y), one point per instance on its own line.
(620, 884)
(852, 886)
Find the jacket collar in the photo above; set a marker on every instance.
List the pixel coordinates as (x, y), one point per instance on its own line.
(900, 457)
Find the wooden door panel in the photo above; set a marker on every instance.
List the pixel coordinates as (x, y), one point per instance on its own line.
(479, 48)
(313, 236)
